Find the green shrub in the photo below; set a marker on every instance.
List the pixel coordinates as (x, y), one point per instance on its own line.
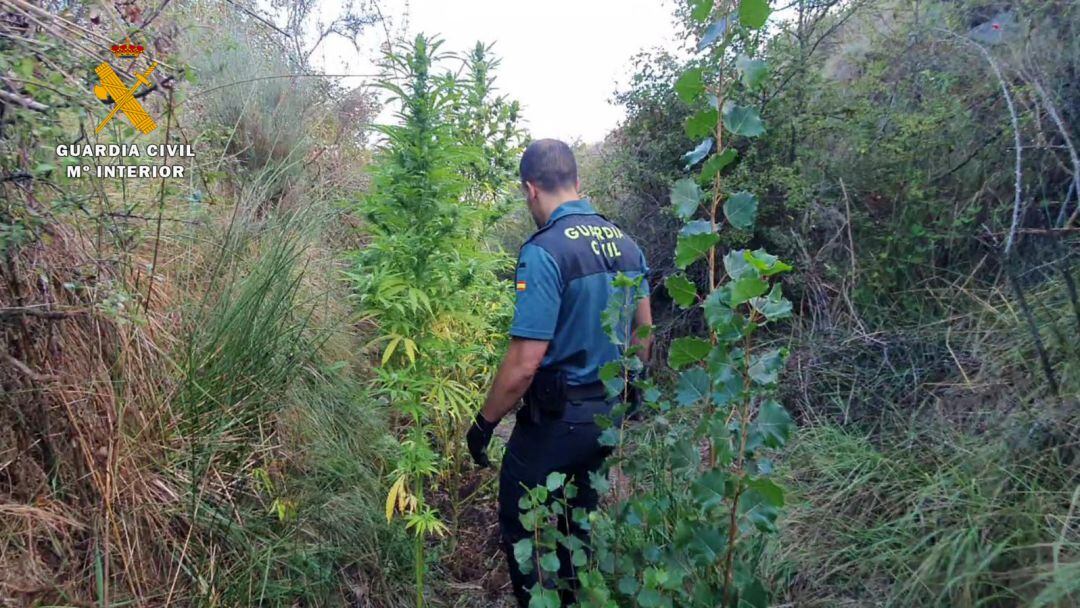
(689, 518)
(930, 518)
(301, 445)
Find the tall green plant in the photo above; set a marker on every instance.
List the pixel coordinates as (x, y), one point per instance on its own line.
(427, 279)
(245, 344)
(254, 390)
(488, 123)
(688, 529)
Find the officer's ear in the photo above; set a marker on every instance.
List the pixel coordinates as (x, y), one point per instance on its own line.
(530, 191)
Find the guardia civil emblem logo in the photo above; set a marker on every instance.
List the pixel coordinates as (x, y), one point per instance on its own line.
(112, 88)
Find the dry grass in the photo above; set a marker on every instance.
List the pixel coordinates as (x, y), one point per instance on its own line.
(118, 482)
(100, 502)
(82, 424)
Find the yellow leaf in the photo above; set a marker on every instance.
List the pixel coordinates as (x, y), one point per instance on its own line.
(439, 528)
(389, 352)
(395, 496)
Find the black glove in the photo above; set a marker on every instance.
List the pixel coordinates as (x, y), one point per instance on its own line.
(478, 438)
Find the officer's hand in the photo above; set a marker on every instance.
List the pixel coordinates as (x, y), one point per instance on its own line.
(478, 438)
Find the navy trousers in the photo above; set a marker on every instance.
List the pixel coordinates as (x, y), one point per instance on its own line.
(534, 451)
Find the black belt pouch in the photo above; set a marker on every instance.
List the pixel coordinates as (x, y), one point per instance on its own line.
(546, 397)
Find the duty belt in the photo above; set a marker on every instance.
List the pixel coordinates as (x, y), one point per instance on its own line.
(585, 402)
(583, 392)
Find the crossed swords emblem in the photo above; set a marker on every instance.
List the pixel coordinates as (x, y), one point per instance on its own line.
(124, 97)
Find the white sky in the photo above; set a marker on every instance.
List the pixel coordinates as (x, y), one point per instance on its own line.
(562, 59)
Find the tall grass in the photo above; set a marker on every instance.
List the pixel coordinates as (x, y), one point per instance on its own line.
(935, 467)
(927, 519)
(243, 348)
(284, 452)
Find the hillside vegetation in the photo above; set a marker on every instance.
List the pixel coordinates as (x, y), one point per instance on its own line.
(250, 385)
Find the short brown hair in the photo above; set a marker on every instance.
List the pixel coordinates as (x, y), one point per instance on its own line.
(549, 165)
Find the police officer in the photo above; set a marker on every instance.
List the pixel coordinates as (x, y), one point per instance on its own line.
(558, 345)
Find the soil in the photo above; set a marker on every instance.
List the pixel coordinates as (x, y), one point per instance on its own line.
(473, 567)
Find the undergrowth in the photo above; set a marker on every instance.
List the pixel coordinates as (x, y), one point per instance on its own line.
(262, 405)
(186, 422)
(929, 518)
(933, 468)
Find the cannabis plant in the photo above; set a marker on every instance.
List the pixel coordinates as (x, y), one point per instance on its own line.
(426, 278)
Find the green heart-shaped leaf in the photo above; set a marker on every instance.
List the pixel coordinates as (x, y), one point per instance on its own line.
(752, 72)
(774, 424)
(523, 554)
(716, 164)
(702, 123)
(740, 209)
(754, 13)
(746, 288)
(681, 290)
(549, 562)
(766, 263)
(685, 198)
(742, 120)
(772, 308)
(699, 11)
(690, 85)
(693, 242)
(687, 350)
(765, 368)
(710, 489)
(692, 387)
(555, 480)
(761, 503)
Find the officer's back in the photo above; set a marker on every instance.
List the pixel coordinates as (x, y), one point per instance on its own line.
(565, 280)
(565, 288)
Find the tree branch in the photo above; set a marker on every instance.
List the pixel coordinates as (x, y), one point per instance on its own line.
(25, 102)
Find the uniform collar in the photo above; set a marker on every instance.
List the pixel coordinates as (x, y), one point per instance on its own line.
(578, 207)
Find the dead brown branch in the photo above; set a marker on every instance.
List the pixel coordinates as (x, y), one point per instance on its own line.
(40, 313)
(25, 102)
(26, 371)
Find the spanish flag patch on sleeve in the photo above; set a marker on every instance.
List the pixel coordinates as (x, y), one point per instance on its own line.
(520, 285)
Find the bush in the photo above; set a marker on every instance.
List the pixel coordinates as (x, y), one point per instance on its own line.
(192, 437)
(934, 517)
(282, 451)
